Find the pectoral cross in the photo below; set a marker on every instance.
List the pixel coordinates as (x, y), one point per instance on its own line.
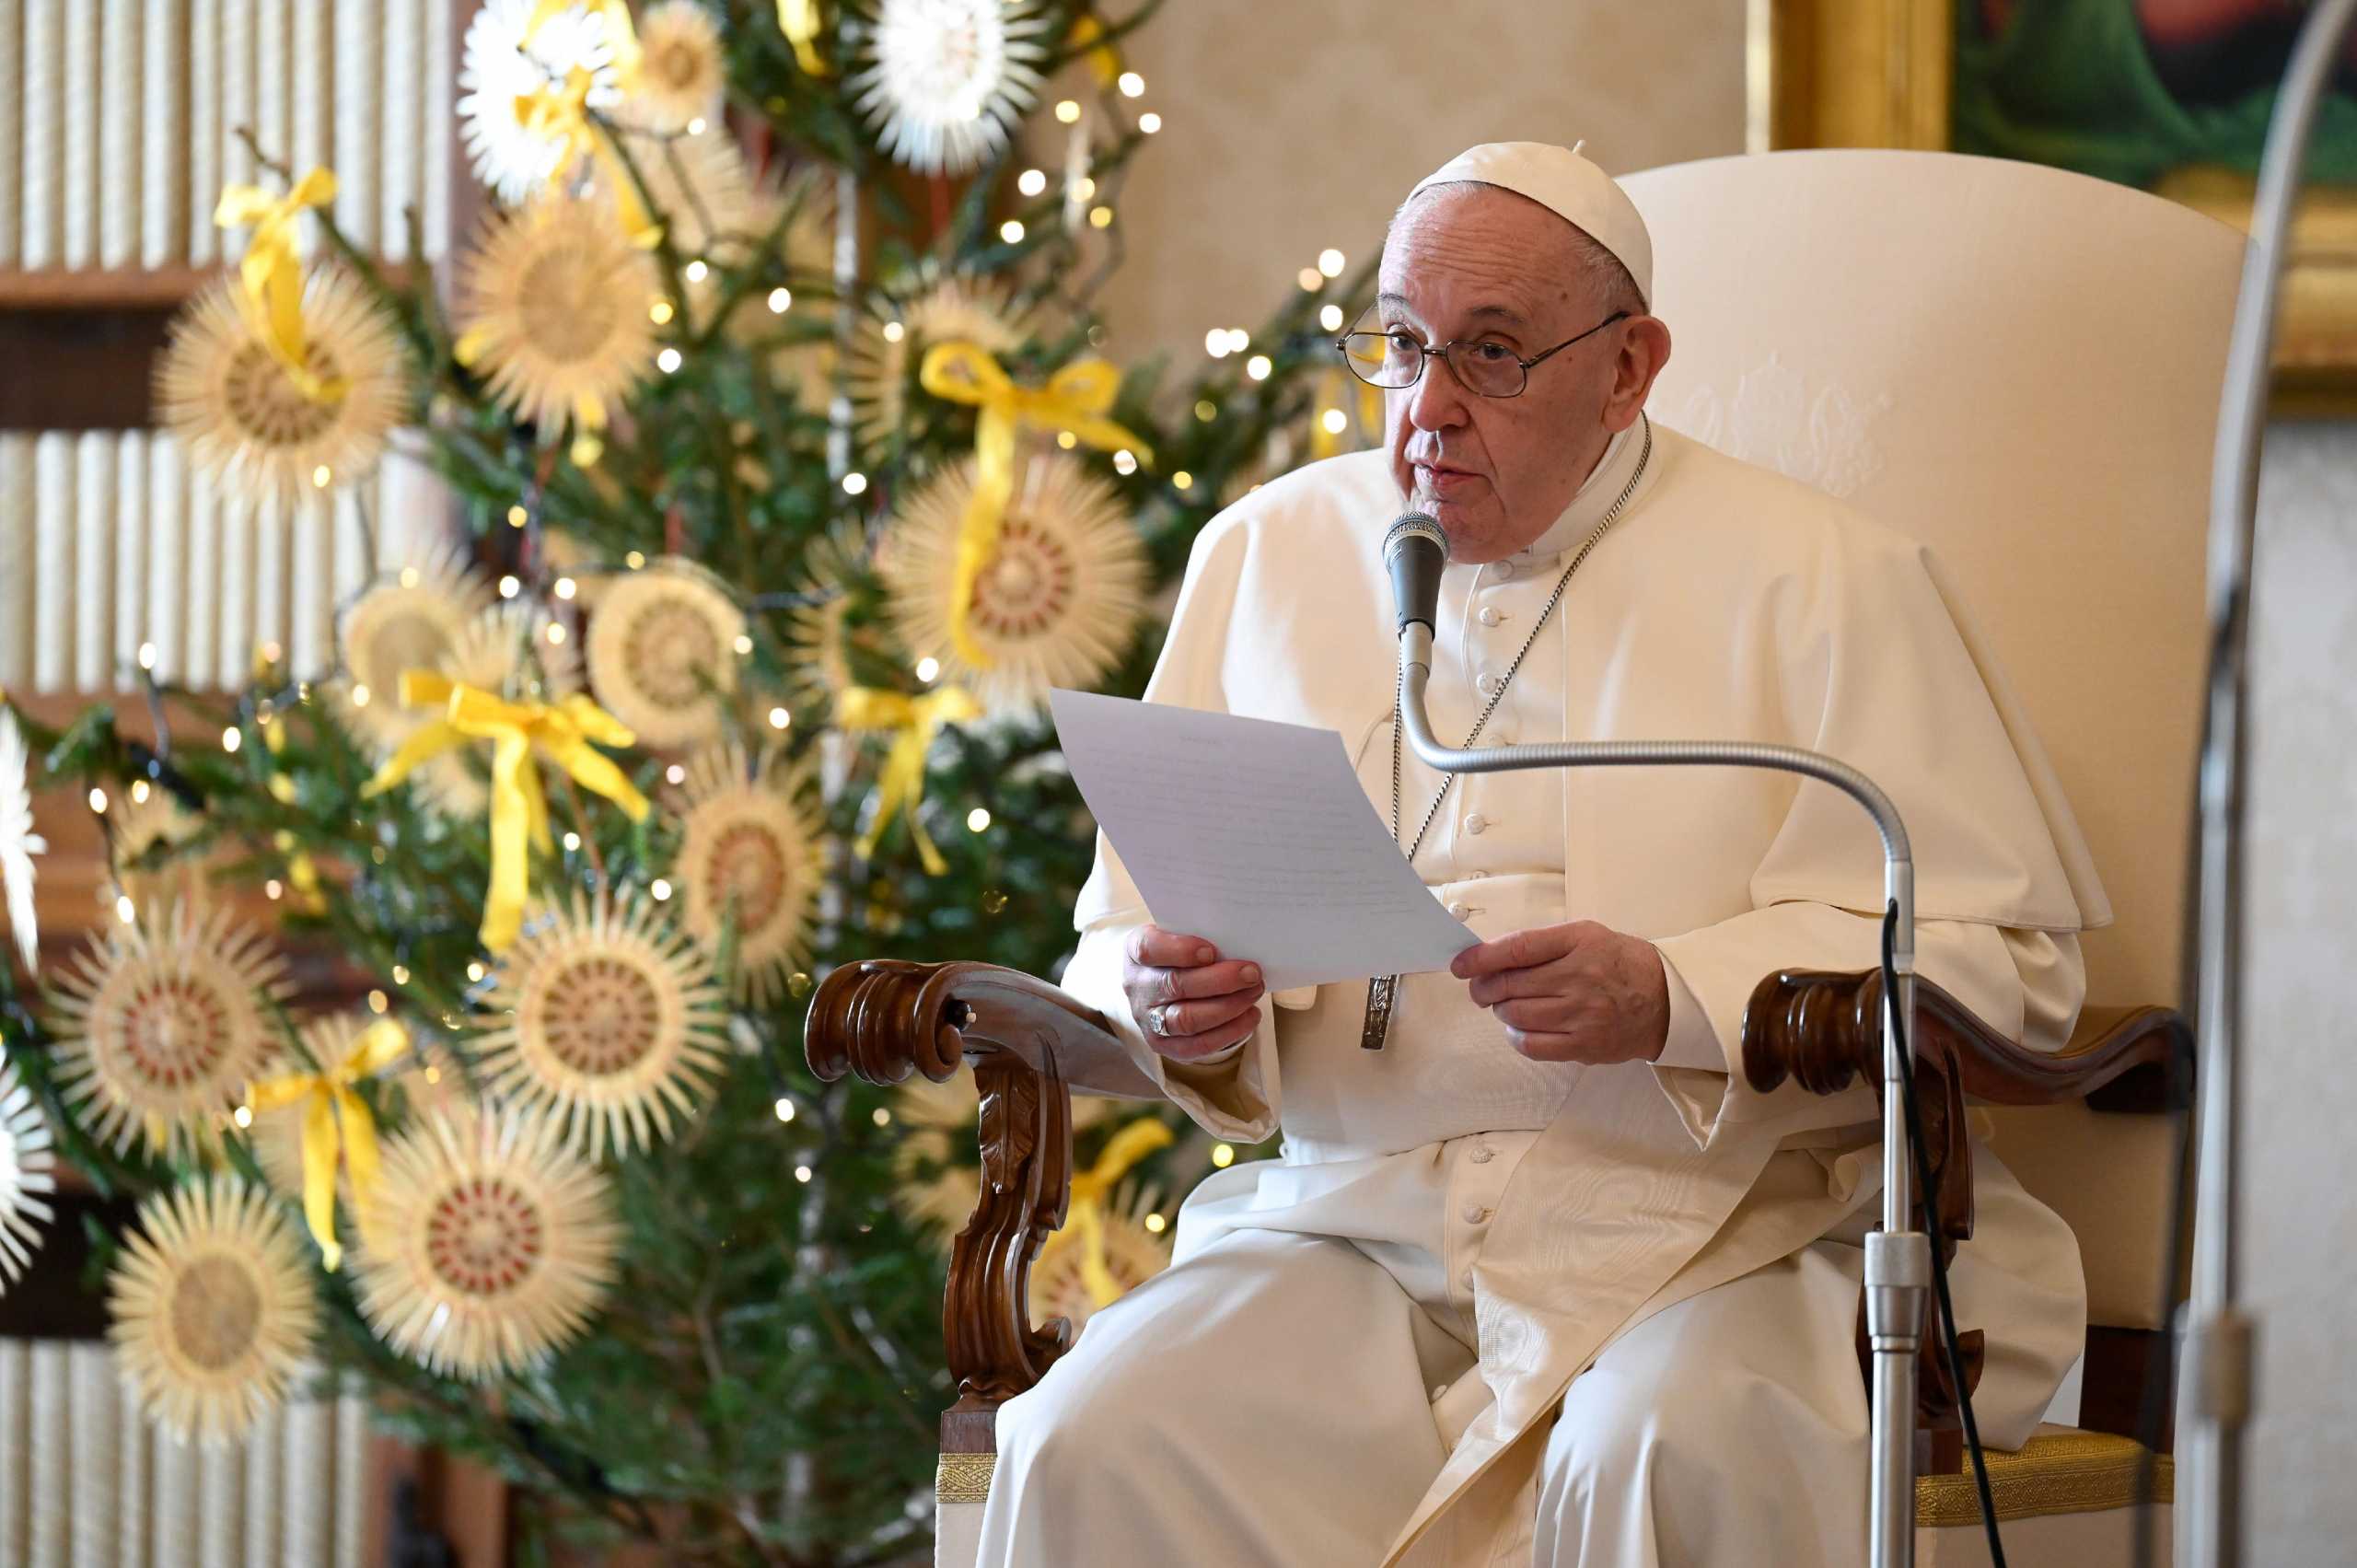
(1380, 993)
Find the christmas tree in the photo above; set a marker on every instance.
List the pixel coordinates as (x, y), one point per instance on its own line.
(793, 479)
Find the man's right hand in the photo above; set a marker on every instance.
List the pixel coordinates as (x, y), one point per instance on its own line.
(1187, 1002)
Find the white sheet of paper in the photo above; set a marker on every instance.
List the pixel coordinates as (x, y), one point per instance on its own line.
(1255, 836)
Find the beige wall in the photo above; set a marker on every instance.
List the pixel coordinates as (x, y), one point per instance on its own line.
(1275, 144)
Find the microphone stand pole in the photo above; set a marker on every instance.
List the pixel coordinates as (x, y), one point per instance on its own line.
(2217, 1334)
(1898, 1258)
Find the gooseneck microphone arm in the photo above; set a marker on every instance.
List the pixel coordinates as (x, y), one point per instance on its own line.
(1898, 1258)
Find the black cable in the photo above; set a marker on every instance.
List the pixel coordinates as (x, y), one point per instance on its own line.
(1926, 1179)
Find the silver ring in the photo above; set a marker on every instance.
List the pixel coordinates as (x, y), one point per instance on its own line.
(1158, 1020)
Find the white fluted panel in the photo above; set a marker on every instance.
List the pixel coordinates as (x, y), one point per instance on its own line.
(131, 508)
(40, 241)
(440, 76)
(350, 1478)
(402, 136)
(16, 1455)
(220, 1507)
(167, 150)
(311, 586)
(271, 534)
(234, 658)
(206, 33)
(16, 564)
(361, 82)
(120, 105)
(273, 71)
(49, 1434)
(53, 560)
(201, 637)
(78, 145)
(12, 129)
(310, 1478)
(238, 29)
(172, 1540)
(314, 110)
(94, 519)
(95, 1455)
(135, 1446)
(169, 589)
(267, 1451)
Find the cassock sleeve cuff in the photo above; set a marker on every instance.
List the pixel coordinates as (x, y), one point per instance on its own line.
(1692, 1069)
(1230, 1097)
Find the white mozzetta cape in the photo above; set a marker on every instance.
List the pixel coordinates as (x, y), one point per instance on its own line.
(1728, 604)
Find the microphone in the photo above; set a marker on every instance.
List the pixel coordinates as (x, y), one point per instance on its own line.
(1415, 551)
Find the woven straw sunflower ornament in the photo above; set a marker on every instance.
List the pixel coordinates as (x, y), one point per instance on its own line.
(211, 1308)
(1055, 604)
(411, 619)
(662, 652)
(248, 423)
(145, 832)
(553, 311)
(28, 1166)
(1132, 1251)
(681, 71)
(486, 1244)
(162, 1024)
(506, 59)
(884, 354)
(748, 863)
(944, 79)
(515, 650)
(613, 1025)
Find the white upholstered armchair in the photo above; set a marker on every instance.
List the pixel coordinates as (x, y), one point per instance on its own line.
(2021, 367)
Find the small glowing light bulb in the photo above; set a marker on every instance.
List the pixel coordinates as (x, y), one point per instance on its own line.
(928, 668)
(1330, 263)
(780, 718)
(977, 819)
(784, 1109)
(1011, 232)
(779, 299)
(1132, 85)
(1031, 182)
(667, 361)
(660, 889)
(1068, 112)
(695, 271)
(1335, 421)
(323, 476)
(1149, 122)
(567, 587)
(855, 484)
(509, 588)
(1258, 368)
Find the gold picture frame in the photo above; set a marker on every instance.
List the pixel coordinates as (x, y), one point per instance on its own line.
(1881, 74)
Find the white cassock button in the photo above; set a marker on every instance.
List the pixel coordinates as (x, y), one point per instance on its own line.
(1488, 683)
(1490, 616)
(1481, 1153)
(1476, 822)
(1501, 570)
(1457, 909)
(1476, 1215)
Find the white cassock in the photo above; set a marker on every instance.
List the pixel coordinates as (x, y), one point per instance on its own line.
(1491, 1310)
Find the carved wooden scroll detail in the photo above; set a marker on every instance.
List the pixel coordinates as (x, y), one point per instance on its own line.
(1823, 1032)
(883, 1020)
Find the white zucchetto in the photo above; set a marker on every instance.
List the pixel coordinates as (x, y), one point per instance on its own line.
(1566, 184)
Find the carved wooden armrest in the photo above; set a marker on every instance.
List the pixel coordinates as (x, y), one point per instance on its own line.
(1823, 1032)
(1027, 1040)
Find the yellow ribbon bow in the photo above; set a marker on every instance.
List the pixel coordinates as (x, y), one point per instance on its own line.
(335, 1119)
(1075, 398)
(1091, 1188)
(901, 781)
(560, 114)
(621, 37)
(799, 20)
(271, 277)
(1103, 58)
(560, 732)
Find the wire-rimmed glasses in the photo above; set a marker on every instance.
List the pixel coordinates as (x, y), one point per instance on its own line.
(1394, 359)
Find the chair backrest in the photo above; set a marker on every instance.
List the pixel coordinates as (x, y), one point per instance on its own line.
(2020, 367)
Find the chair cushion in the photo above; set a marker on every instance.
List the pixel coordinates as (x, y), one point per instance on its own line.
(2060, 1470)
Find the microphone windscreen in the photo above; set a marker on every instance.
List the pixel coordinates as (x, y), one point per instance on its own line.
(1416, 550)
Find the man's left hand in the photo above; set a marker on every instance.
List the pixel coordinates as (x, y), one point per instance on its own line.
(1579, 991)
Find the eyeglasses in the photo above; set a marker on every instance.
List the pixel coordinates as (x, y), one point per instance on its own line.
(1395, 359)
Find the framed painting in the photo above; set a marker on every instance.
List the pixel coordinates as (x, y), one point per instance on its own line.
(2170, 96)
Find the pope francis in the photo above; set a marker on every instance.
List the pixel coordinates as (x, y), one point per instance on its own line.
(1539, 1279)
